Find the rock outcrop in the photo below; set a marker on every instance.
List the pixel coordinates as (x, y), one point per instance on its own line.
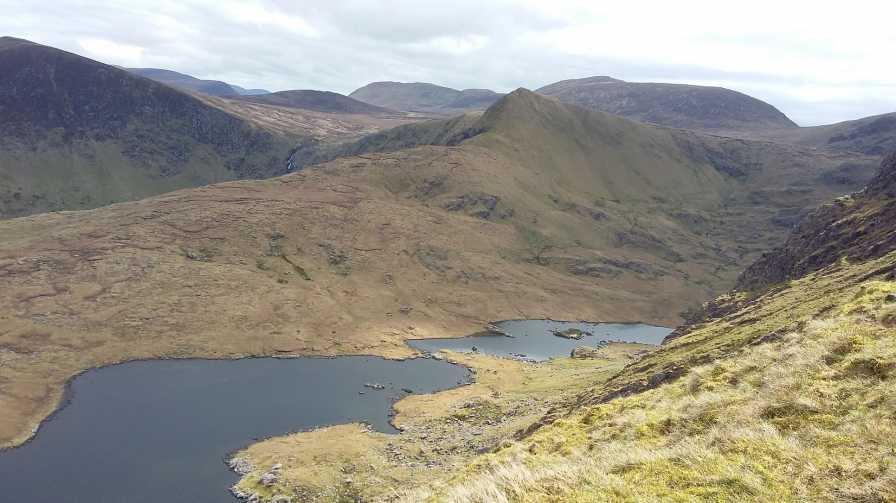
(853, 228)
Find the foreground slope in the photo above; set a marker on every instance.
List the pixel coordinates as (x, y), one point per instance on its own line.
(780, 394)
(80, 134)
(536, 210)
(676, 105)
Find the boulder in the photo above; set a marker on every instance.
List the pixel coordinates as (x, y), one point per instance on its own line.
(585, 352)
(270, 478)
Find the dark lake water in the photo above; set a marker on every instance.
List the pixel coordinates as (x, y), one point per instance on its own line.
(159, 431)
(534, 339)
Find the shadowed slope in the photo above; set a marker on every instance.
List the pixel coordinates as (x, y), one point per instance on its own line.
(79, 134)
(172, 78)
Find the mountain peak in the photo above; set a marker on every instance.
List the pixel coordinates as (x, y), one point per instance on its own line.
(12, 42)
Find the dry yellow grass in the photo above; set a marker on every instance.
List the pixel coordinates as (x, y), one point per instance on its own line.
(441, 432)
(296, 122)
(806, 416)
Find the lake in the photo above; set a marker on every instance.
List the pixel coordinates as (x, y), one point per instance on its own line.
(159, 431)
(534, 339)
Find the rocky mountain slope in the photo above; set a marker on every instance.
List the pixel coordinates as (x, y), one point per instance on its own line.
(853, 228)
(675, 105)
(424, 97)
(184, 81)
(321, 101)
(80, 134)
(600, 218)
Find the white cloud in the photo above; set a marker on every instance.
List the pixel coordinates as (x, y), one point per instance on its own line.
(112, 52)
(256, 13)
(817, 61)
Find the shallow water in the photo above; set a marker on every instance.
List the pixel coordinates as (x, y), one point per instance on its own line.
(159, 431)
(534, 339)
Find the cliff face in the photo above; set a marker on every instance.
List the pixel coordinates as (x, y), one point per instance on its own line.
(855, 228)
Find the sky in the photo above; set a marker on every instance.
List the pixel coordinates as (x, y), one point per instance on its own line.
(819, 62)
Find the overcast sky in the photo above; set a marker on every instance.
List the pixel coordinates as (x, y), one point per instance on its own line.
(818, 62)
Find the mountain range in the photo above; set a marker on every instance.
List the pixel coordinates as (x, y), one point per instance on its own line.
(184, 81)
(312, 223)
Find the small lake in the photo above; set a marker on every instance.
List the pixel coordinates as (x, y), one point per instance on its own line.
(159, 431)
(535, 339)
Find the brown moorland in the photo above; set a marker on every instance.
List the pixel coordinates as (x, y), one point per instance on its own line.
(543, 210)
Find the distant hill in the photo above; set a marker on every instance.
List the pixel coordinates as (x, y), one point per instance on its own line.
(182, 80)
(77, 133)
(321, 101)
(423, 97)
(875, 135)
(249, 92)
(675, 105)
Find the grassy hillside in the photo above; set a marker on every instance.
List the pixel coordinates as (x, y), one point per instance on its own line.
(80, 134)
(798, 410)
(778, 394)
(675, 105)
(784, 396)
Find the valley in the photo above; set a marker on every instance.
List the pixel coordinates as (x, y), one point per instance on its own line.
(215, 293)
(359, 254)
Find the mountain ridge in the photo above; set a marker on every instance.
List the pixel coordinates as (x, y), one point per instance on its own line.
(185, 81)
